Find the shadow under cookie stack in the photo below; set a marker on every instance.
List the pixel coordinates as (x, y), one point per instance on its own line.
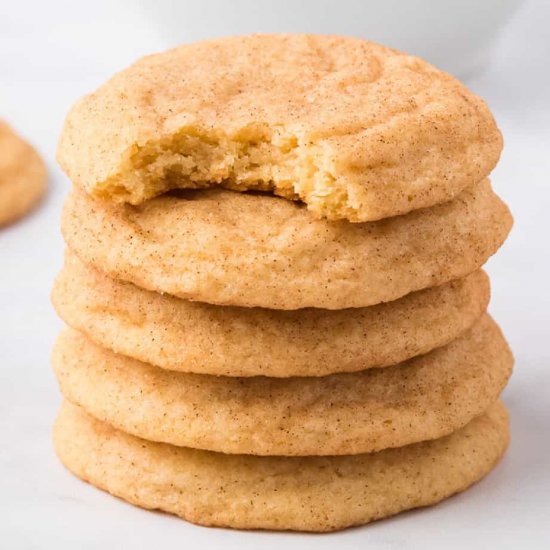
(272, 282)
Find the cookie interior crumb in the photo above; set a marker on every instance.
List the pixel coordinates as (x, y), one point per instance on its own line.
(258, 158)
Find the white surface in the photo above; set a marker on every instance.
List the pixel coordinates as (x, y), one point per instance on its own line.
(54, 52)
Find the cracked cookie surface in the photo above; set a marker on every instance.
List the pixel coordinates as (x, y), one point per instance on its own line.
(242, 249)
(355, 130)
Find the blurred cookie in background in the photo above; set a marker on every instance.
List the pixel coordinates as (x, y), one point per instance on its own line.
(22, 176)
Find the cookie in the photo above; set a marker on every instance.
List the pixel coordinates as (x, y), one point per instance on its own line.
(424, 398)
(230, 248)
(297, 493)
(194, 337)
(22, 176)
(353, 129)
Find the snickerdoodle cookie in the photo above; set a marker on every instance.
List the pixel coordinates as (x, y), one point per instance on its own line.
(424, 398)
(195, 337)
(353, 129)
(298, 493)
(22, 176)
(243, 249)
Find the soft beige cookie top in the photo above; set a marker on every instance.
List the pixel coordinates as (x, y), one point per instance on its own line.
(230, 248)
(354, 129)
(424, 398)
(194, 337)
(303, 494)
(22, 176)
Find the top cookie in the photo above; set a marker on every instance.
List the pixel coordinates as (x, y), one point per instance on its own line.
(355, 130)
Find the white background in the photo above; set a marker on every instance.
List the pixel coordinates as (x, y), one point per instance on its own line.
(53, 52)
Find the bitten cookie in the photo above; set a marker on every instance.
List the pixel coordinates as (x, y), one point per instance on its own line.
(195, 337)
(22, 176)
(353, 129)
(230, 248)
(302, 494)
(424, 398)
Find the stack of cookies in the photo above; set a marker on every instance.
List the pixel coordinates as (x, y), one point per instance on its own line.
(272, 282)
